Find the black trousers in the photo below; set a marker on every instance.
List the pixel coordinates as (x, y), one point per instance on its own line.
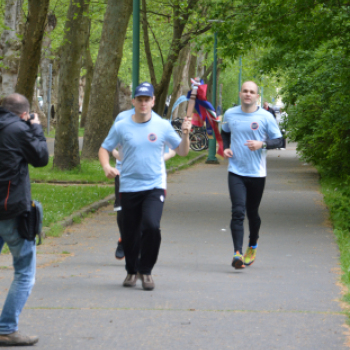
(117, 203)
(142, 212)
(246, 193)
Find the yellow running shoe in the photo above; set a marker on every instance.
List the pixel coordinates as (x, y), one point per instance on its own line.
(249, 256)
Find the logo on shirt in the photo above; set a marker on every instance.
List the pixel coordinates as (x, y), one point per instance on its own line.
(152, 137)
(254, 126)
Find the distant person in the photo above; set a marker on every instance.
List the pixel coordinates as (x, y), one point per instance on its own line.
(247, 131)
(267, 107)
(22, 142)
(142, 180)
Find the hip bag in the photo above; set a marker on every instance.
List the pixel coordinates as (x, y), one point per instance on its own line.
(31, 222)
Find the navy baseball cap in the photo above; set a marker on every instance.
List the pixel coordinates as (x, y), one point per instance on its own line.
(144, 89)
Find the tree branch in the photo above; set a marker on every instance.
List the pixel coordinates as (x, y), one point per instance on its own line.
(157, 42)
(147, 45)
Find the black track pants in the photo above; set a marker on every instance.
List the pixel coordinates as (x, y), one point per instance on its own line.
(117, 204)
(246, 193)
(142, 212)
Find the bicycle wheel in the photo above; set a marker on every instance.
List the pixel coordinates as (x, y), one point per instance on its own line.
(179, 132)
(198, 141)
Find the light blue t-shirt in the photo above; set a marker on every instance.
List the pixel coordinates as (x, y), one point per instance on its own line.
(120, 117)
(259, 125)
(142, 151)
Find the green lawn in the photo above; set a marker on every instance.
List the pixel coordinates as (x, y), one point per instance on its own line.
(91, 171)
(61, 201)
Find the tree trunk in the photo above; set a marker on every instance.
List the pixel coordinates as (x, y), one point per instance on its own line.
(104, 81)
(180, 79)
(200, 63)
(10, 46)
(66, 154)
(31, 50)
(45, 60)
(192, 69)
(89, 66)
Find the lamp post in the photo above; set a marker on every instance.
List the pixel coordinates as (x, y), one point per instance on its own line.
(212, 142)
(135, 45)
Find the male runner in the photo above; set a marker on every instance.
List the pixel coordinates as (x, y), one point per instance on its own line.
(142, 180)
(119, 252)
(247, 132)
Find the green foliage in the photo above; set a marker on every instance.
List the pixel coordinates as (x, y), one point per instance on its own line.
(337, 197)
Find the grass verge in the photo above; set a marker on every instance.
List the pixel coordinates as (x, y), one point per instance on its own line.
(91, 171)
(61, 201)
(337, 198)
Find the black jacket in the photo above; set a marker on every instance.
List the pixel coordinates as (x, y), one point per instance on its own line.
(272, 112)
(20, 143)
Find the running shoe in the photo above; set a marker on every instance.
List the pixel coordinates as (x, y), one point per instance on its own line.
(119, 252)
(237, 261)
(249, 256)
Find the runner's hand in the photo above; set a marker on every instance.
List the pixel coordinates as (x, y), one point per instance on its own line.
(186, 126)
(228, 153)
(253, 145)
(110, 172)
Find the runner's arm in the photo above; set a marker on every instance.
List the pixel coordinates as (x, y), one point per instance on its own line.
(103, 156)
(184, 145)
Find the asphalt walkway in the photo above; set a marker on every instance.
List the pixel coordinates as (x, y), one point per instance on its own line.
(289, 298)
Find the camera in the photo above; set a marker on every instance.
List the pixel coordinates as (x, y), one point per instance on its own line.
(31, 116)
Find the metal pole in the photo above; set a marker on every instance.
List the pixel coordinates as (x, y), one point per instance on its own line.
(240, 79)
(212, 142)
(135, 45)
(49, 99)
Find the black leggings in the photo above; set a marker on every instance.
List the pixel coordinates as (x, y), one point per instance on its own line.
(142, 212)
(246, 193)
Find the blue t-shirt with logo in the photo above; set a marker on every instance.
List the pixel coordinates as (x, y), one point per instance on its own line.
(260, 126)
(142, 148)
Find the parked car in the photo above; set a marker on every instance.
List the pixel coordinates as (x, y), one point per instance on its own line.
(40, 102)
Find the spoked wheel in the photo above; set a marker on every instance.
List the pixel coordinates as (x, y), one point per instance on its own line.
(198, 141)
(179, 132)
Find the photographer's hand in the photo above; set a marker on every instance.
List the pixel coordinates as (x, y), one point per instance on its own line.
(36, 119)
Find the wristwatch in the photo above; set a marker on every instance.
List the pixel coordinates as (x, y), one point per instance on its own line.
(264, 145)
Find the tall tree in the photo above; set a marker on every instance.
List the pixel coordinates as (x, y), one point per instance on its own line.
(182, 14)
(105, 76)
(66, 138)
(31, 49)
(10, 45)
(89, 67)
(46, 59)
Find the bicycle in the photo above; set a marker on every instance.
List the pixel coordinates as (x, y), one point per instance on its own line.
(198, 136)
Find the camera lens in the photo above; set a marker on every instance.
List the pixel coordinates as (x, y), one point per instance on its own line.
(31, 116)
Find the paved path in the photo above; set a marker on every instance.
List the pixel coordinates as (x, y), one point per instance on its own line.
(287, 300)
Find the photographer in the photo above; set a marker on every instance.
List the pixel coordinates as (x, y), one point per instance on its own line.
(22, 142)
